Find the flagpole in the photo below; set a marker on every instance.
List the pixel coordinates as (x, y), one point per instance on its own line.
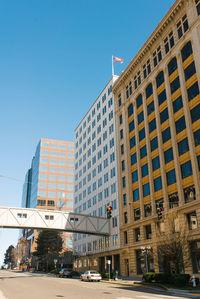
(112, 67)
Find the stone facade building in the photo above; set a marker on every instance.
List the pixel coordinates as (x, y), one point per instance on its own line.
(157, 107)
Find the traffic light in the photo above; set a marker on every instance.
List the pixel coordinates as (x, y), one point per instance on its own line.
(159, 213)
(109, 212)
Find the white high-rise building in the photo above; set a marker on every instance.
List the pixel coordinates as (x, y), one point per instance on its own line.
(96, 180)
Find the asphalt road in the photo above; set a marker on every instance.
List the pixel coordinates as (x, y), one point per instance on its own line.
(18, 285)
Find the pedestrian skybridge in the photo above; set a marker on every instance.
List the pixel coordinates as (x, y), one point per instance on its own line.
(25, 218)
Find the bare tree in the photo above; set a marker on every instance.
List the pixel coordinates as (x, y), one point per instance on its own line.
(173, 245)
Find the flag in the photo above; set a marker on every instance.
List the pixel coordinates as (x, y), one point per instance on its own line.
(116, 59)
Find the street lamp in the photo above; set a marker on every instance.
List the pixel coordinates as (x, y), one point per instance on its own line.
(145, 251)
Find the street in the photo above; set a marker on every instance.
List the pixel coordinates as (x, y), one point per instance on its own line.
(23, 285)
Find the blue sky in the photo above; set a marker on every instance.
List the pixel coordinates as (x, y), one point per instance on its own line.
(55, 58)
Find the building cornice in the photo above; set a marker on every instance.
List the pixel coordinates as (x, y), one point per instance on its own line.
(168, 18)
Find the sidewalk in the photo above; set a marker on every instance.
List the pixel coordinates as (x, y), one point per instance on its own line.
(137, 282)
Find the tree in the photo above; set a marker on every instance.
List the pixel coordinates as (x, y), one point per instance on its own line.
(49, 244)
(173, 248)
(9, 255)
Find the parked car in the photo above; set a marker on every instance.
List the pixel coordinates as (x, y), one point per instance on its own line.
(91, 275)
(65, 273)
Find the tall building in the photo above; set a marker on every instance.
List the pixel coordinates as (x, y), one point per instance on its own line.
(49, 183)
(158, 131)
(96, 183)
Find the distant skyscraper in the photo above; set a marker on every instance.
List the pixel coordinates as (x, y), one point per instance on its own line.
(49, 184)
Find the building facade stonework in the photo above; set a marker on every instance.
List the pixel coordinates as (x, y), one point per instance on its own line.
(157, 109)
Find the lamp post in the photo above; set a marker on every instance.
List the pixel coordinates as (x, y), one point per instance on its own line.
(145, 251)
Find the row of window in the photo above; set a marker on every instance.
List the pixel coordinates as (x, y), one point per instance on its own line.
(182, 27)
(102, 211)
(94, 110)
(61, 146)
(191, 221)
(52, 203)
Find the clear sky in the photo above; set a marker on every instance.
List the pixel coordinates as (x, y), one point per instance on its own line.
(55, 58)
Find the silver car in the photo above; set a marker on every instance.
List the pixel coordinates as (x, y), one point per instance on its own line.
(91, 275)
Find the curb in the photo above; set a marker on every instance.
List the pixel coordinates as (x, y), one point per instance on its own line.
(136, 285)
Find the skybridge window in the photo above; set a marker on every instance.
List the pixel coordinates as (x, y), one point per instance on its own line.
(20, 215)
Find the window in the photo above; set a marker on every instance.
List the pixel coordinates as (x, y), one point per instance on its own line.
(134, 176)
(125, 237)
(186, 51)
(171, 177)
(198, 161)
(186, 169)
(174, 85)
(182, 26)
(111, 128)
(195, 113)
(154, 143)
(193, 91)
(124, 182)
(129, 89)
(130, 110)
(147, 210)
(146, 189)
(197, 137)
(131, 126)
(164, 115)
(141, 134)
(189, 71)
(168, 155)
(139, 101)
(157, 184)
(122, 149)
(137, 234)
(140, 117)
(173, 200)
(132, 142)
(143, 151)
(149, 90)
(136, 214)
(156, 163)
(152, 125)
(146, 68)
(133, 158)
(121, 134)
(166, 135)
(123, 165)
(192, 220)
(189, 194)
(145, 170)
(124, 199)
(198, 6)
(169, 42)
(148, 231)
(137, 80)
(119, 100)
(183, 146)
(150, 108)
(160, 79)
(157, 56)
(136, 195)
(125, 217)
(162, 97)
(180, 124)
(177, 104)
(172, 66)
